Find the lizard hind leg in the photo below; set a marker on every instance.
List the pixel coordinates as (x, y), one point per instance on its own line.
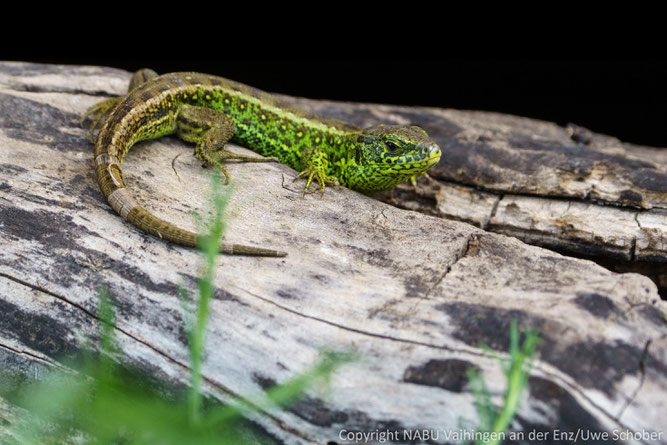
(98, 112)
(211, 130)
(140, 77)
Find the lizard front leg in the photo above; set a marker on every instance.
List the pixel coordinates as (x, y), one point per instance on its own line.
(315, 165)
(211, 130)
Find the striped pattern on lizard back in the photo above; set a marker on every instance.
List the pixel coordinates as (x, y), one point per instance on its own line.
(210, 111)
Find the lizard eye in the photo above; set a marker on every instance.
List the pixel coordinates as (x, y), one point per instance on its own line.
(391, 146)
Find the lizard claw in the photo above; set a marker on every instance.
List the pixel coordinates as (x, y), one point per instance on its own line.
(413, 179)
(319, 176)
(215, 162)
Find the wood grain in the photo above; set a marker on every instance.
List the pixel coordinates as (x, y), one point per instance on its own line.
(415, 294)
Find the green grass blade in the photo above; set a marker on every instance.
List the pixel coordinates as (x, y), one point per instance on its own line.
(517, 371)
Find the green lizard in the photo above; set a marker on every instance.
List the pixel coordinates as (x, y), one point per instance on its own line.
(210, 111)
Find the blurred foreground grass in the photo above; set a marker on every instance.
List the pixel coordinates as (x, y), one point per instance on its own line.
(101, 402)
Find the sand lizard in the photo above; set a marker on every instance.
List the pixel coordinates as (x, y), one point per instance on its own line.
(210, 111)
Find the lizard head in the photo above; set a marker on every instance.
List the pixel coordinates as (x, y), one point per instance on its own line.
(384, 156)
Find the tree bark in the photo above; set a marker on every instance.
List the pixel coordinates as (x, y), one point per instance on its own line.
(415, 294)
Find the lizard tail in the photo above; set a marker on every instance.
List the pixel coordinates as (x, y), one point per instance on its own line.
(110, 179)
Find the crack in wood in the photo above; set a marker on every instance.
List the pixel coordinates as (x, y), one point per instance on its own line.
(642, 377)
(459, 255)
(33, 358)
(544, 369)
(447, 279)
(214, 384)
(492, 213)
(89, 314)
(470, 241)
(354, 330)
(29, 355)
(585, 199)
(41, 89)
(469, 245)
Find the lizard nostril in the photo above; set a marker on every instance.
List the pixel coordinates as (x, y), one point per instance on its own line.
(430, 150)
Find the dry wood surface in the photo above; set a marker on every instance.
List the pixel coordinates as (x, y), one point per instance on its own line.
(416, 293)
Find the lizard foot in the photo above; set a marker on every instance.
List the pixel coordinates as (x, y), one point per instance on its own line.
(413, 179)
(319, 176)
(216, 163)
(218, 157)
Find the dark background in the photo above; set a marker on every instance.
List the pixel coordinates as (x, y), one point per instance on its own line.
(621, 98)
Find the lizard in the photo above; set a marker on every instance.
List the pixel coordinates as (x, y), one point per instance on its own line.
(210, 111)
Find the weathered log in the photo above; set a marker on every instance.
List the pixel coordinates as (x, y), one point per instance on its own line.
(567, 189)
(416, 295)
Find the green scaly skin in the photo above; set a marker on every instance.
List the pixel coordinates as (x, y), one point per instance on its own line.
(210, 111)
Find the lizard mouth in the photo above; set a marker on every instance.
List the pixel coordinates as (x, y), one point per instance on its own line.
(434, 154)
(421, 158)
(434, 157)
(430, 156)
